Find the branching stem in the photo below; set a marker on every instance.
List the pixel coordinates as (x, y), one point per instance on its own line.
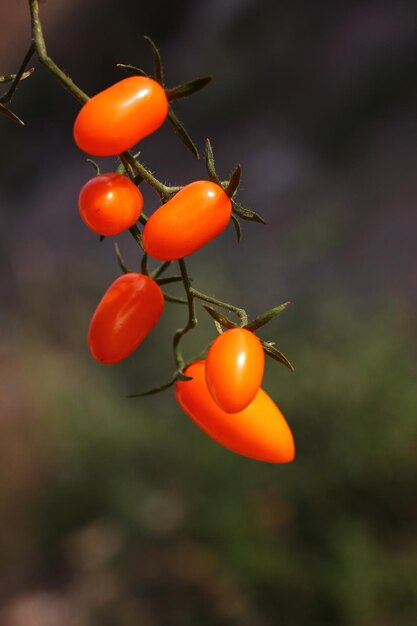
(192, 318)
(18, 76)
(241, 313)
(39, 43)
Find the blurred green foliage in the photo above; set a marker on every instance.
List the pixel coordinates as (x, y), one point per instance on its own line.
(121, 512)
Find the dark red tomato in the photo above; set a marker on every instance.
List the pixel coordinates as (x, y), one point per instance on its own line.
(117, 118)
(110, 203)
(234, 369)
(259, 431)
(129, 309)
(194, 216)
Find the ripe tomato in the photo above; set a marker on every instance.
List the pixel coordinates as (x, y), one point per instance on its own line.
(129, 309)
(110, 203)
(117, 118)
(259, 431)
(234, 369)
(194, 216)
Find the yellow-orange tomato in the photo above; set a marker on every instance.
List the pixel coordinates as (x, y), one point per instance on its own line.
(117, 118)
(194, 216)
(234, 369)
(110, 203)
(259, 431)
(129, 309)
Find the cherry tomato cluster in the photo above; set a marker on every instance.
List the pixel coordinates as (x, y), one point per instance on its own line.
(221, 394)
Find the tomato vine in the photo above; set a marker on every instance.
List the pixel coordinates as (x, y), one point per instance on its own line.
(97, 132)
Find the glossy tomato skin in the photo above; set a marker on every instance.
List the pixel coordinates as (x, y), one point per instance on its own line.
(129, 309)
(192, 218)
(117, 118)
(259, 431)
(110, 203)
(234, 369)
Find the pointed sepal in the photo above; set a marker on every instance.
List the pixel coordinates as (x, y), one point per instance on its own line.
(263, 319)
(182, 133)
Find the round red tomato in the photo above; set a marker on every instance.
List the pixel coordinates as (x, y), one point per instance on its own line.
(117, 118)
(259, 431)
(110, 203)
(192, 218)
(234, 369)
(129, 309)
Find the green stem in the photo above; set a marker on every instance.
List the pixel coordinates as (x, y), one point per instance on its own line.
(192, 319)
(120, 260)
(159, 270)
(155, 390)
(18, 76)
(39, 43)
(144, 264)
(241, 313)
(174, 299)
(147, 176)
(136, 234)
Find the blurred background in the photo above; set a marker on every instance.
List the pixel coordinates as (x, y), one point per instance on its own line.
(117, 512)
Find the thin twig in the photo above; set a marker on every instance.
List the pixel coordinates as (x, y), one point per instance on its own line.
(192, 319)
(39, 43)
(18, 76)
(241, 313)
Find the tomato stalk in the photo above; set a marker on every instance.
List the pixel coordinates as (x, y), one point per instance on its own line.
(9, 78)
(159, 270)
(192, 318)
(130, 161)
(15, 79)
(136, 234)
(40, 47)
(241, 313)
(125, 269)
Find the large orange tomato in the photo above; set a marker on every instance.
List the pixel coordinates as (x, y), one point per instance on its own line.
(259, 431)
(234, 369)
(110, 203)
(194, 216)
(129, 309)
(117, 118)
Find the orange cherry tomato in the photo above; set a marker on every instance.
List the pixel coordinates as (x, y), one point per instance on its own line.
(110, 203)
(259, 431)
(117, 118)
(234, 369)
(193, 217)
(129, 309)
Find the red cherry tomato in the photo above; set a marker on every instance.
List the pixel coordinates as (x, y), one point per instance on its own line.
(234, 369)
(110, 203)
(117, 118)
(194, 216)
(129, 309)
(259, 431)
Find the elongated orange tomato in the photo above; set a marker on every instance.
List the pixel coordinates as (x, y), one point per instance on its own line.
(110, 203)
(259, 431)
(129, 309)
(234, 369)
(192, 218)
(117, 118)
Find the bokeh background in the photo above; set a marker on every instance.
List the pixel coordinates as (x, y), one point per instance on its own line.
(117, 512)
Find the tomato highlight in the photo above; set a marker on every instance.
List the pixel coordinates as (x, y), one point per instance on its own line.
(260, 431)
(127, 312)
(193, 217)
(110, 203)
(234, 369)
(115, 119)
